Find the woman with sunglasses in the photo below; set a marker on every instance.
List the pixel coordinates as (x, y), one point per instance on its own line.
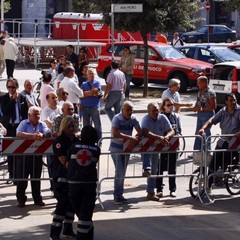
(168, 160)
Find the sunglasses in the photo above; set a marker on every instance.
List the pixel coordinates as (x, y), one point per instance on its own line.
(13, 87)
(169, 105)
(64, 93)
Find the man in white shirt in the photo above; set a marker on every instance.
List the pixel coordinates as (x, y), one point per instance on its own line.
(10, 50)
(177, 41)
(74, 91)
(51, 110)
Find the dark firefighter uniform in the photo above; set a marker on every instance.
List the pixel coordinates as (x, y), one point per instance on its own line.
(63, 211)
(82, 177)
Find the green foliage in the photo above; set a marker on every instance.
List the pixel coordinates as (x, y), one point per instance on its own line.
(83, 6)
(7, 6)
(232, 5)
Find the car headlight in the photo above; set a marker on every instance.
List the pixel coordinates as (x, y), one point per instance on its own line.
(197, 70)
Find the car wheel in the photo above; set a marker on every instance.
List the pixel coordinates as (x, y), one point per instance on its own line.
(137, 82)
(184, 81)
(199, 40)
(228, 40)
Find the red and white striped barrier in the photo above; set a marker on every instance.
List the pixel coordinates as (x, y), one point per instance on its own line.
(234, 143)
(26, 146)
(149, 145)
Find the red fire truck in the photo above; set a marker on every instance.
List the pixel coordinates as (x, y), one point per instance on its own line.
(87, 27)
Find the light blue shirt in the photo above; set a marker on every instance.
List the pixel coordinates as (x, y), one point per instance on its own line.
(26, 126)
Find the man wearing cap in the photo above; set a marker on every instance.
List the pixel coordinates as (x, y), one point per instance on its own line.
(172, 92)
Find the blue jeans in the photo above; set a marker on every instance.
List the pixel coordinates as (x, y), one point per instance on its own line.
(114, 100)
(120, 163)
(146, 158)
(92, 114)
(128, 81)
(202, 117)
(151, 182)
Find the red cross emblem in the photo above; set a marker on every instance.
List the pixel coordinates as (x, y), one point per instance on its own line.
(84, 157)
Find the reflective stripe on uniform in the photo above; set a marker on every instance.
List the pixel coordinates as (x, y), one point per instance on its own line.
(62, 179)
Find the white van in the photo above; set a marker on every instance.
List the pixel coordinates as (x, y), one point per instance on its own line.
(225, 79)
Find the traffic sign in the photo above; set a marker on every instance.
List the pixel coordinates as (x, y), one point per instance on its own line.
(125, 8)
(207, 6)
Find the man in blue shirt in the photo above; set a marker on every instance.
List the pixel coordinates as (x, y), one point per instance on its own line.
(228, 118)
(91, 102)
(122, 127)
(157, 127)
(31, 128)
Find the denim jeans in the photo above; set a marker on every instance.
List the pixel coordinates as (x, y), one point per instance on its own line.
(120, 162)
(146, 158)
(202, 117)
(92, 114)
(114, 100)
(151, 182)
(128, 81)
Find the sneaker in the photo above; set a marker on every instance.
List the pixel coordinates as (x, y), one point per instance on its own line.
(120, 200)
(21, 204)
(146, 173)
(70, 235)
(159, 194)
(40, 203)
(152, 197)
(173, 194)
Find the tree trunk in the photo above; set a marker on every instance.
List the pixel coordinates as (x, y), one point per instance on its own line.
(145, 68)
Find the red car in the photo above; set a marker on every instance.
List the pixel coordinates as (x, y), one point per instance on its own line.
(165, 62)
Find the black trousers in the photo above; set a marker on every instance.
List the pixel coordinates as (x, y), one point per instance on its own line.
(29, 166)
(10, 65)
(83, 197)
(11, 132)
(168, 163)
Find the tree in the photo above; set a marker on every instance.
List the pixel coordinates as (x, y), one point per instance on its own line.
(232, 5)
(7, 6)
(158, 15)
(83, 6)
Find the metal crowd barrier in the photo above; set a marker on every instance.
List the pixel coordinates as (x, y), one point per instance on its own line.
(20, 153)
(185, 166)
(224, 168)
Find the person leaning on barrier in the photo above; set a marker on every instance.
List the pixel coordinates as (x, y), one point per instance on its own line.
(229, 119)
(31, 128)
(169, 160)
(122, 127)
(63, 211)
(155, 126)
(67, 110)
(82, 158)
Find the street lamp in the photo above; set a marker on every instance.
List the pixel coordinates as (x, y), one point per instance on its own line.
(2, 15)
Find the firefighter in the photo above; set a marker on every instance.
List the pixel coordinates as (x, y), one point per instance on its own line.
(82, 176)
(63, 211)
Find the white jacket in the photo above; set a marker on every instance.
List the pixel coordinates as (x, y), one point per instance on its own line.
(10, 49)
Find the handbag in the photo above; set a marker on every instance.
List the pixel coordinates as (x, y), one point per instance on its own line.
(197, 158)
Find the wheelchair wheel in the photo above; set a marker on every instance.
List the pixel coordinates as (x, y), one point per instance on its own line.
(233, 182)
(26, 61)
(196, 182)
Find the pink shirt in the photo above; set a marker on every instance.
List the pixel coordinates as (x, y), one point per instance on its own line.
(45, 89)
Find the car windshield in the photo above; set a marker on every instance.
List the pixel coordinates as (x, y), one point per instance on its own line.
(202, 29)
(226, 54)
(170, 52)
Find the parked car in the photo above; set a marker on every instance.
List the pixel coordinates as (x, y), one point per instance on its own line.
(235, 48)
(208, 53)
(217, 33)
(225, 79)
(164, 63)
